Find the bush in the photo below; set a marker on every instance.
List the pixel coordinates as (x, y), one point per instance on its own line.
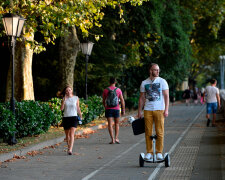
(48, 116)
(132, 101)
(33, 118)
(55, 104)
(95, 108)
(179, 95)
(83, 108)
(7, 122)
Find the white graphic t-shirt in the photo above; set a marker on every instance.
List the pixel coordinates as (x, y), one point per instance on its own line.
(153, 93)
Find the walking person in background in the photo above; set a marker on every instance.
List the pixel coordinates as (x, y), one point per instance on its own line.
(187, 96)
(195, 96)
(111, 96)
(212, 98)
(154, 97)
(71, 107)
(202, 95)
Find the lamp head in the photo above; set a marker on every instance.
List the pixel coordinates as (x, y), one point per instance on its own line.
(86, 47)
(13, 24)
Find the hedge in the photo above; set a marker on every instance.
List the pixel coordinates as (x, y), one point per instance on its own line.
(34, 117)
(31, 118)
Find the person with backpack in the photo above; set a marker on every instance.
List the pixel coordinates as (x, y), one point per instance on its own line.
(111, 96)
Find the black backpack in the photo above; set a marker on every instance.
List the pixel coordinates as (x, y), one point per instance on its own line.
(112, 98)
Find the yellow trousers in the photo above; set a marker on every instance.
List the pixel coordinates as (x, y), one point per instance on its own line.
(157, 118)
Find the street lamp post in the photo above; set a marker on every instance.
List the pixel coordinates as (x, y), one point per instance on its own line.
(86, 50)
(222, 63)
(124, 56)
(13, 25)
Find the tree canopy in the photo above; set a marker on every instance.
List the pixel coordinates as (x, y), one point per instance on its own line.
(157, 31)
(51, 17)
(207, 39)
(184, 37)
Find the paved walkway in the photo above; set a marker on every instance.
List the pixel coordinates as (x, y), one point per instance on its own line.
(197, 153)
(24, 151)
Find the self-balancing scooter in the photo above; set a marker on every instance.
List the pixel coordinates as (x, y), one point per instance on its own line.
(142, 159)
(138, 126)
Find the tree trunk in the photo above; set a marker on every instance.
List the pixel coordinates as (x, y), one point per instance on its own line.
(23, 78)
(68, 49)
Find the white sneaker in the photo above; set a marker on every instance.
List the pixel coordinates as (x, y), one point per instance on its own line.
(159, 156)
(148, 156)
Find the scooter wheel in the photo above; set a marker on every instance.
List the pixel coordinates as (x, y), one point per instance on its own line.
(167, 160)
(141, 161)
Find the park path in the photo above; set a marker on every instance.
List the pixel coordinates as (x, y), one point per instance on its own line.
(95, 158)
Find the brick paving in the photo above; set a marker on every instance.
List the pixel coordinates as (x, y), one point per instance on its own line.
(200, 155)
(183, 159)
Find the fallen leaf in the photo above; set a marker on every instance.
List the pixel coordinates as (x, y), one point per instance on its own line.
(19, 157)
(10, 160)
(34, 153)
(81, 136)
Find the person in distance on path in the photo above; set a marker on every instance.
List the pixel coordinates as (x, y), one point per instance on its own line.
(154, 97)
(212, 98)
(187, 96)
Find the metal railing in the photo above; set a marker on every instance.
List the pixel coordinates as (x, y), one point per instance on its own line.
(222, 101)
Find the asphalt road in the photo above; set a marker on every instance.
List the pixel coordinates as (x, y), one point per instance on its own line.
(95, 158)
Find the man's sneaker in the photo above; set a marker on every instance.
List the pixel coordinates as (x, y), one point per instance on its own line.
(148, 156)
(208, 122)
(159, 156)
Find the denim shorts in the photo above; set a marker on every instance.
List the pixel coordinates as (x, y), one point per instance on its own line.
(112, 113)
(211, 108)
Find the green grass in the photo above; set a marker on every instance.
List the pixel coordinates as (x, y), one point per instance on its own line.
(52, 133)
(28, 141)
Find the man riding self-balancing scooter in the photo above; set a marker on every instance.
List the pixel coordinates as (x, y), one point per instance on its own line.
(154, 99)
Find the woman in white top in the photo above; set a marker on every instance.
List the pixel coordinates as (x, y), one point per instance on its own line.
(71, 107)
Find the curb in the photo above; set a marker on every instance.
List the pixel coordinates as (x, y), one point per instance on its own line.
(24, 151)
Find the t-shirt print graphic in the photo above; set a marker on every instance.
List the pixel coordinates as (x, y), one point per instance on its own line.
(153, 92)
